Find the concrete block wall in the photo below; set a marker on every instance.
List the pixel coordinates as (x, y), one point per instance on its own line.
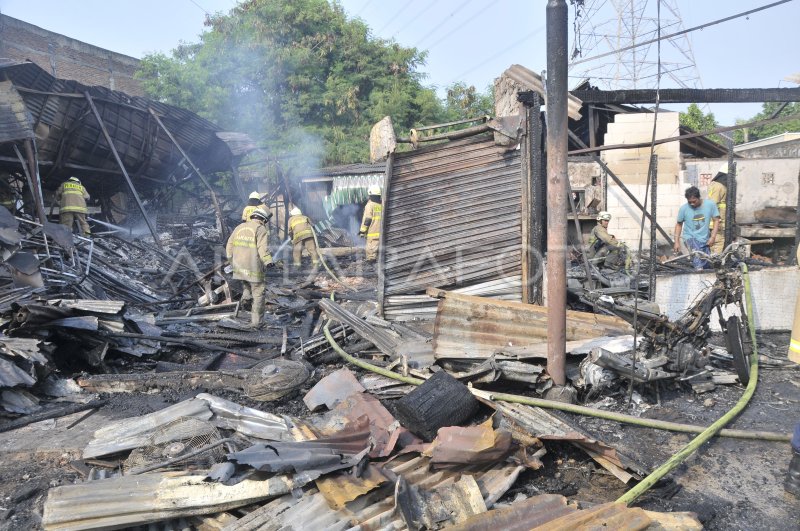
(774, 295)
(632, 166)
(760, 183)
(68, 58)
(626, 217)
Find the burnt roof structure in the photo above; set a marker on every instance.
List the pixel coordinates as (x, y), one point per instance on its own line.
(70, 141)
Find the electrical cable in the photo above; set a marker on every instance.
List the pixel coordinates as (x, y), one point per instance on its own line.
(464, 23)
(440, 24)
(400, 11)
(683, 32)
(652, 173)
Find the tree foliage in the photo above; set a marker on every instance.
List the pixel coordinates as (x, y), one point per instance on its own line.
(764, 131)
(297, 76)
(697, 121)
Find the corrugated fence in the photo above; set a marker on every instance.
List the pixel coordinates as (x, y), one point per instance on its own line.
(452, 222)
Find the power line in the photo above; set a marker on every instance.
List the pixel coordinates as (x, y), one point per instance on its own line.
(367, 3)
(405, 6)
(470, 19)
(414, 18)
(201, 7)
(671, 35)
(442, 23)
(501, 52)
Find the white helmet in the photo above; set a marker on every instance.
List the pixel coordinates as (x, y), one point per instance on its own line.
(603, 216)
(723, 168)
(261, 214)
(74, 179)
(374, 190)
(254, 195)
(295, 212)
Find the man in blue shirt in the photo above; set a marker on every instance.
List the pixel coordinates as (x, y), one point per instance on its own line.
(694, 220)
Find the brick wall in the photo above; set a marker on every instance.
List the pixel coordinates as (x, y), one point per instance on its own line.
(67, 58)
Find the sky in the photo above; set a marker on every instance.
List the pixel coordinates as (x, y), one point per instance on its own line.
(473, 41)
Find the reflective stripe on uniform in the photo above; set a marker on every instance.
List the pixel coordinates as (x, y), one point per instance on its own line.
(373, 235)
(794, 345)
(79, 209)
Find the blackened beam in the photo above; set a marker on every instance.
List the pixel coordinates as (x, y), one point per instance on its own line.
(122, 168)
(756, 123)
(686, 95)
(202, 177)
(624, 188)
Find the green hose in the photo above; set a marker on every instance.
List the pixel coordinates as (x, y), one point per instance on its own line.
(642, 487)
(571, 408)
(324, 263)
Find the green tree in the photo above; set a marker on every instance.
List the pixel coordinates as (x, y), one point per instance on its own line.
(297, 76)
(697, 121)
(463, 101)
(764, 131)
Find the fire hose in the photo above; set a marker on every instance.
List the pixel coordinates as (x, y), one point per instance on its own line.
(644, 485)
(325, 264)
(570, 408)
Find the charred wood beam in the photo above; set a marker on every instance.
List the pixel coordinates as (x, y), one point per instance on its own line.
(682, 137)
(202, 177)
(122, 168)
(52, 414)
(686, 95)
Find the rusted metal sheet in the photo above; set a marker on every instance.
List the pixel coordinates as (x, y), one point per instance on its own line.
(332, 389)
(473, 445)
(526, 423)
(376, 510)
(452, 220)
(530, 80)
(477, 327)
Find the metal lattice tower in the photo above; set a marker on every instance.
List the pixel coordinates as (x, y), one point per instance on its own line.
(606, 25)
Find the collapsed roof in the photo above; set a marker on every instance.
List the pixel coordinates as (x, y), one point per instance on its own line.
(69, 140)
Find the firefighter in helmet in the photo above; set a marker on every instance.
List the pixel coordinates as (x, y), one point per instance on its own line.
(72, 197)
(302, 237)
(603, 245)
(371, 222)
(248, 252)
(253, 202)
(718, 192)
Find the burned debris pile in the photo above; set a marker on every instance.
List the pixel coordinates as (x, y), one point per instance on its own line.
(114, 316)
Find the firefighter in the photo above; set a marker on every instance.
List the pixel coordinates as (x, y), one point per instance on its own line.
(72, 197)
(253, 202)
(604, 245)
(302, 237)
(248, 254)
(371, 222)
(717, 192)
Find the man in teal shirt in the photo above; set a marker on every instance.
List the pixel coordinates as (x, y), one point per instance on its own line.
(694, 220)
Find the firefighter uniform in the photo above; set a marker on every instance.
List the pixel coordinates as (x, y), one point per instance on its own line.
(604, 245)
(718, 192)
(302, 238)
(72, 197)
(248, 253)
(253, 202)
(371, 227)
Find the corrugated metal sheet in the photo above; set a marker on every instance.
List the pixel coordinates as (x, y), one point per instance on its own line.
(373, 511)
(452, 220)
(145, 150)
(476, 327)
(14, 119)
(530, 80)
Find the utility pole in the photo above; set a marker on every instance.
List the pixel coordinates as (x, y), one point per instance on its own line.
(557, 186)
